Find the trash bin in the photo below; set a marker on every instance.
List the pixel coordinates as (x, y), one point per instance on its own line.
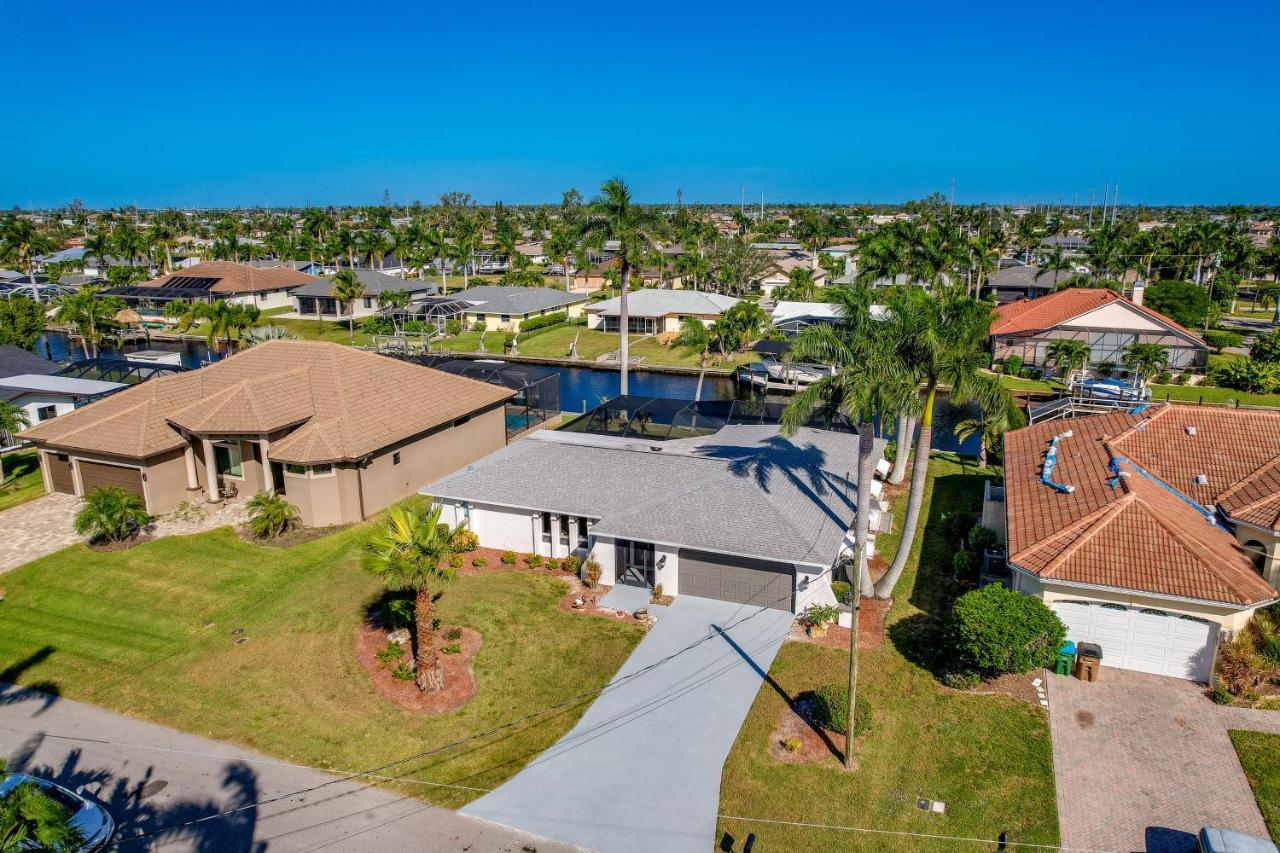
(1088, 661)
(1066, 659)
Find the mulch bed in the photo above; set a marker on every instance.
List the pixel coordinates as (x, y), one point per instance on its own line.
(870, 628)
(459, 677)
(817, 744)
(294, 536)
(106, 546)
(1011, 684)
(591, 607)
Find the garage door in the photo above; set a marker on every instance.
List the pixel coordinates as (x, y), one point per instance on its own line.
(1142, 639)
(60, 475)
(737, 579)
(95, 475)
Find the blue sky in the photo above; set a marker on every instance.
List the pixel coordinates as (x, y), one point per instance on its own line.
(274, 103)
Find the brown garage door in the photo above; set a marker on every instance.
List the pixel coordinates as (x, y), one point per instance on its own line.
(737, 579)
(95, 475)
(60, 473)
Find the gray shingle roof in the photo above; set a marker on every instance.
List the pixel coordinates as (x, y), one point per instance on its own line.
(15, 361)
(660, 303)
(744, 490)
(493, 299)
(374, 283)
(1025, 277)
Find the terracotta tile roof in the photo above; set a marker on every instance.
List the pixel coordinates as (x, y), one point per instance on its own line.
(1132, 532)
(350, 403)
(1045, 312)
(237, 278)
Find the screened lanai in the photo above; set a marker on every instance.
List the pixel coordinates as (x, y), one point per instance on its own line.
(663, 418)
(537, 398)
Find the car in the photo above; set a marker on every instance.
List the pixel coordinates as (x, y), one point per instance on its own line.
(1215, 840)
(94, 822)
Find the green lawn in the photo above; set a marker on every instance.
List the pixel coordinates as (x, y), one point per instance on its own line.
(22, 481)
(147, 632)
(988, 757)
(1259, 755)
(554, 343)
(1039, 386)
(1220, 396)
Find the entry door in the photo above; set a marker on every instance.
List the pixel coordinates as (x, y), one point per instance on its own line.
(635, 563)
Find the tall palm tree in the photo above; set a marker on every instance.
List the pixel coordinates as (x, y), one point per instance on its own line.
(89, 313)
(21, 242)
(438, 250)
(998, 414)
(561, 245)
(13, 420)
(696, 335)
(347, 289)
(1068, 356)
(374, 247)
(1146, 359)
(939, 339)
(98, 246)
(613, 216)
(224, 319)
(407, 550)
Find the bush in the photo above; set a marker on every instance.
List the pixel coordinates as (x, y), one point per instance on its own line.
(478, 326)
(398, 613)
(464, 540)
(962, 680)
(1221, 695)
(544, 321)
(403, 672)
(452, 328)
(533, 561)
(1180, 379)
(831, 710)
(455, 561)
(508, 558)
(393, 651)
(572, 564)
(1163, 377)
(792, 744)
(111, 513)
(842, 590)
(553, 564)
(1013, 365)
(1107, 369)
(957, 525)
(592, 571)
(376, 325)
(817, 615)
(479, 562)
(1266, 347)
(964, 565)
(995, 631)
(451, 649)
(981, 538)
(1219, 339)
(453, 634)
(270, 515)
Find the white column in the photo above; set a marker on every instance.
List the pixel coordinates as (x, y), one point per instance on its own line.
(537, 533)
(554, 544)
(211, 471)
(193, 479)
(268, 477)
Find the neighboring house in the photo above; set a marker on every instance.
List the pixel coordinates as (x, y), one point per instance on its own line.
(1105, 320)
(214, 280)
(792, 317)
(780, 274)
(316, 298)
(1071, 244)
(315, 268)
(1154, 535)
(15, 360)
(340, 432)
(505, 308)
(1009, 284)
(652, 312)
(44, 397)
(533, 251)
(743, 514)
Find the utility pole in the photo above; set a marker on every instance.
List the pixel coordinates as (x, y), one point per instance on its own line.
(762, 208)
(742, 200)
(1106, 194)
(1114, 199)
(952, 203)
(1074, 196)
(679, 198)
(1091, 208)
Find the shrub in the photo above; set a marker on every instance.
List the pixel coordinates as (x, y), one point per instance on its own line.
(820, 614)
(1182, 301)
(533, 561)
(1106, 370)
(544, 321)
(479, 562)
(1221, 695)
(1219, 339)
(956, 525)
(1163, 377)
(403, 672)
(791, 744)
(455, 561)
(451, 649)
(1266, 347)
(1180, 379)
(270, 515)
(376, 325)
(508, 558)
(398, 613)
(478, 326)
(553, 564)
(842, 590)
(464, 540)
(453, 634)
(452, 327)
(962, 680)
(572, 564)
(831, 710)
(981, 538)
(111, 513)
(1013, 365)
(964, 564)
(592, 571)
(995, 631)
(393, 651)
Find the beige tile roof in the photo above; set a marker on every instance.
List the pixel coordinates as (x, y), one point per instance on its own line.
(349, 402)
(1128, 532)
(237, 278)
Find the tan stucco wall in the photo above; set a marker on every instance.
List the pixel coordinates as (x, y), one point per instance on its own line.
(164, 475)
(1270, 541)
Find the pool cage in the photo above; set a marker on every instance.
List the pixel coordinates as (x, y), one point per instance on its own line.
(119, 370)
(537, 398)
(662, 418)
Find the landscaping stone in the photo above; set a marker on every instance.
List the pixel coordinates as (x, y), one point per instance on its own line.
(400, 636)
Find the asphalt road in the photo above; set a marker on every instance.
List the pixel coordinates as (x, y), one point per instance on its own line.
(152, 779)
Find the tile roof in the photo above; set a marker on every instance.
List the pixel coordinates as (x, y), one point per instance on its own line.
(1045, 312)
(350, 403)
(1134, 531)
(374, 283)
(237, 278)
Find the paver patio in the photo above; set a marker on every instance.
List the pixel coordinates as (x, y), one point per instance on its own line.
(641, 770)
(1142, 762)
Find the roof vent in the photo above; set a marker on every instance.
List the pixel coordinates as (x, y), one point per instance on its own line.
(1191, 430)
(1201, 479)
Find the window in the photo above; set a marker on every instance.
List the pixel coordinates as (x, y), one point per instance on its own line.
(504, 318)
(44, 413)
(296, 470)
(395, 458)
(1257, 552)
(368, 302)
(227, 459)
(546, 527)
(479, 318)
(321, 470)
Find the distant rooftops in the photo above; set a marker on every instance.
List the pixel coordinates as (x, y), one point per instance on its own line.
(660, 303)
(222, 277)
(495, 299)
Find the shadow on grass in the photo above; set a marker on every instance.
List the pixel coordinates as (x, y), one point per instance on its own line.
(45, 692)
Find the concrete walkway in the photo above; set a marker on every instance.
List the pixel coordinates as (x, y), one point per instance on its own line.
(152, 778)
(1142, 762)
(641, 770)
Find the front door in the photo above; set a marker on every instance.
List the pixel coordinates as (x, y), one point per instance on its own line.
(635, 563)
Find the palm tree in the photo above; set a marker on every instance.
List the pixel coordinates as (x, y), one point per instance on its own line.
(997, 415)
(613, 216)
(89, 313)
(408, 551)
(270, 515)
(374, 246)
(223, 318)
(939, 339)
(32, 820)
(1068, 356)
(696, 335)
(98, 246)
(347, 289)
(21, 243)
(1146, 359)
(438, 250)
(13, 420)
(561, 245)
(111, 513)
(1053, 262)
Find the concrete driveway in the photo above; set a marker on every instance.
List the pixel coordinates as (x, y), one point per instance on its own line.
(1142, 762)
(151, 778)
(641, 770)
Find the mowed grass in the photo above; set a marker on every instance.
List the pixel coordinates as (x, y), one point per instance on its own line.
(555, 343)
(22, 480)
(989, 758)
(148, 632)
(1259, 755)
(1215, 396)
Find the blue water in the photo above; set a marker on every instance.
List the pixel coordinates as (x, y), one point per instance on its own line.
(58, 347)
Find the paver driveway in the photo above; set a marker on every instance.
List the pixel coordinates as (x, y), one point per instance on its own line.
(641, 770)
(1142, 762)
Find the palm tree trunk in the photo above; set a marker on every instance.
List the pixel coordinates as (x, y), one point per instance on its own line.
(351, 322)
(915, 498)
(702, 374)
(862, 520)
(428, 674)
(623, 319)
(906, 431)
(568, 285)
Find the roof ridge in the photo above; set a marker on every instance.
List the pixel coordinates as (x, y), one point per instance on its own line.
(1089, 527)
(1271, 464)
(1110, 441)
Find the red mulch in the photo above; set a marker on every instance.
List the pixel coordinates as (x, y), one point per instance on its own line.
(870, 628)
(493, 563)
(106, 546)
(817, 744)
(590, 607)
(459, 679)
(1011, 684)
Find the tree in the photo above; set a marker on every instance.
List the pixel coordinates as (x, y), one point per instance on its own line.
(1250, 375)
(995, 631)
(741, 324)
(407, 550)
(347, 289)
(613, 216)
(1266, 347)
(223, 318)
(561, 245)
(111, 513)
(1181, 301)
(1146, 359)
(997, 415)
(21, 243)
(1068, 356)
(374, 246)
(21, 321)
(32, 820)
(270, 515)
(88, 313)
(13, 420)
(698, 336)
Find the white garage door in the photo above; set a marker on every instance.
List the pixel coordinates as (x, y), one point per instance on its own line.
(1141, 638)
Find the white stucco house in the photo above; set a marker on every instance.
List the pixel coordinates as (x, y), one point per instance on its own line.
(652, 312)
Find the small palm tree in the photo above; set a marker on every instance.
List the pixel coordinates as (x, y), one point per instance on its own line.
(408, 551)
(270, 515)
(13, 420)
(111, 513)
(1146, 359)
(697, 336)
(1068, 356)
(32, 820)
(347, 289)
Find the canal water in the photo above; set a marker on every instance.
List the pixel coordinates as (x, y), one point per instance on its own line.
(581, 388)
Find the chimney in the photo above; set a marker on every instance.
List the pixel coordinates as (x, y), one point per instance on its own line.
(1139, 287)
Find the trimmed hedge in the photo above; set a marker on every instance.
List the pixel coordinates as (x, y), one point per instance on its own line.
(544, 321)
(995, 631)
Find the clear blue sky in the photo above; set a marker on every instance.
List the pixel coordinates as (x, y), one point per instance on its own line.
(278, 103)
